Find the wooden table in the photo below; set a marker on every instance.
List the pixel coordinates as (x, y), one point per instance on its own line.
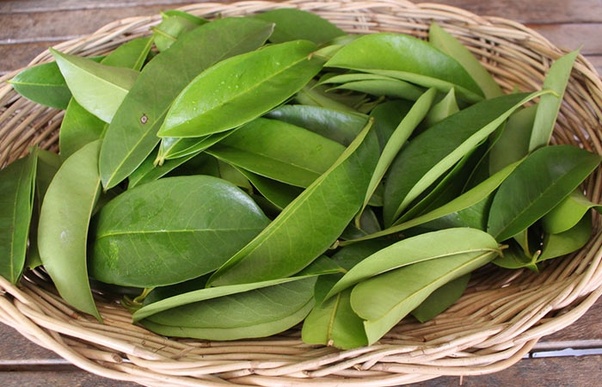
(29, 26)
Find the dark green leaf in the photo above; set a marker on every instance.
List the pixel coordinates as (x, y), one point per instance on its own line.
(174, 24)
(536, 186)
(311, 223)
(279, 151)
(566, 242)
(568, 213)
(433, 152)
(259, 312)
(172, 230)
(337, 125)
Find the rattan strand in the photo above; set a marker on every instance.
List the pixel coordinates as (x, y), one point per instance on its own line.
(499, 319)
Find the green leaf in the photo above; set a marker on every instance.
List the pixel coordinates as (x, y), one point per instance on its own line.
(148, 171)
(334, 323)
(513, 142)
(566, 242)
(398, 138)
(467, 204)
(408, 58)
(441, 299)
(172, 230)
(177, 147)
(174, 24)
(131, 54)
(557, 79)
(420, 248)
(311, 223)
(387, 116)
(237, 94)
(48, 164)
(568, 213)
(43, 84)
(447, 43)
(278, 150)
(337, 125)
(17, 182)
(393, 88)
(436, 150)
(277, 193)
(132, 135)
(260, 312)
(63, 229)
(536, 186)
(80, 127)
(382, 302)
(442, 109)
(514, 257)
(293, 24)
(110, 84)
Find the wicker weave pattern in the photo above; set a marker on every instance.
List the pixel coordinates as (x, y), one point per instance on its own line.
(494, 325)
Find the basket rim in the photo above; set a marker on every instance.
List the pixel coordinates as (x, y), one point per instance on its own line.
(43, 318)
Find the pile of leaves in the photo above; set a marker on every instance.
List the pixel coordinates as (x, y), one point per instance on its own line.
(236, 177)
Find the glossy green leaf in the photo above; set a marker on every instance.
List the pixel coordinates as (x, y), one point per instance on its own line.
(43, 84)
(513, 142)
(407, 58)
(568, 213)
(278, 150)
(436, 150)
(17, 182)
(110, 84)
(536, 186)
(566, 242)
(174, 23)
(441, 299)
(79, 126)
(420, 248)
(382, 302)
(293, 24)
(311, 223)
(334, 323)
(399, 138)
(337, 125)
(63, 229)
(260, 312)
(557, 79)
(132, 135)
(172, 230)
(237, 94)
(450, 45)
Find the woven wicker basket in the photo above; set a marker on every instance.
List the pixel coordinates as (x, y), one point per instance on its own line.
(497, 321)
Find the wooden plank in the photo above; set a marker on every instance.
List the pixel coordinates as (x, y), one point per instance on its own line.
(27, 6)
